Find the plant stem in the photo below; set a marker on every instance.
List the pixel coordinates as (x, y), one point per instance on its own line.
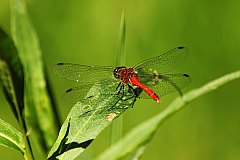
(117, 125)
(28, 155)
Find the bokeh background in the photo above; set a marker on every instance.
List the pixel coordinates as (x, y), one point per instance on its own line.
(86, 32)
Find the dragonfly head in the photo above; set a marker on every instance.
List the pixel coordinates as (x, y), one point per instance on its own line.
(117, 72)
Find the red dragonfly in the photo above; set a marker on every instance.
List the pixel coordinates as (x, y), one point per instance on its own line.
(150, 76)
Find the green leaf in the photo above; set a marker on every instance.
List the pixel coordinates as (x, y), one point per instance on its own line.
(87, 119)
(116, 128)
(11, 74)
(143, 133)
(121, 53)
(137, 153)
(10, 137)
(39, 111)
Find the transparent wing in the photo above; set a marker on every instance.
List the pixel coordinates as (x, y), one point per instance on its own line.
(76, 94)
(83, 73)
(163, 63)
(164, 84)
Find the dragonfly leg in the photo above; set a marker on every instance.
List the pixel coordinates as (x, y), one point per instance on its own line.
(132, 103)
(123, 104)
(135, 94)
(118, 85)
(119, 89)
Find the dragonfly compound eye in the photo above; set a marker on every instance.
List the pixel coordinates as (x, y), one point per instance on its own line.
(116, 72)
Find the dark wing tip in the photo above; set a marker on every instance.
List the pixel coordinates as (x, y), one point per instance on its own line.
(69, 90)
(59, 64)
(181, 47)
(186, 75)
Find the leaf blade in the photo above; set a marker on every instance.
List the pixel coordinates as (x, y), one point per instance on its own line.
(37, 101)
(11, 137)
(86, 120)
(117, 126)
(11, 74)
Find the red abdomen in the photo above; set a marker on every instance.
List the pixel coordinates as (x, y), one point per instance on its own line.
(150, 92)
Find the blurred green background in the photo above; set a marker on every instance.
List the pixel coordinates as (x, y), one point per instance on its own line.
(86, 32)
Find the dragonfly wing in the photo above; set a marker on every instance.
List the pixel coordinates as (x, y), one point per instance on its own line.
(76, 94)
(163, 63)
(83, 73)
(165, 84)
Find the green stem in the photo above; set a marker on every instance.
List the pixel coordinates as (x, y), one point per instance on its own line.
(117, 125)
(28, 155)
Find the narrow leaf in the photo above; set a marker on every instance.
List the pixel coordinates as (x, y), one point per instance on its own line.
(11, 74)
(135, 155)
(144, 132)
(121, 53)
(10, 137)
(38, 105)
(116, 128)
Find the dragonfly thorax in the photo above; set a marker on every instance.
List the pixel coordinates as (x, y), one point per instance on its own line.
(124, 74)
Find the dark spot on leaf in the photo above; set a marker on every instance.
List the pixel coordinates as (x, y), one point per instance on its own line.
(186, 75)
(181, 47)
(60, 64)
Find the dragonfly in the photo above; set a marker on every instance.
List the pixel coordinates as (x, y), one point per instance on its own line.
(148, 79)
